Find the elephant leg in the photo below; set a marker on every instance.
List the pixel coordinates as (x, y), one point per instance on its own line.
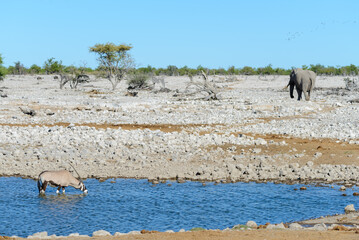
(291, 91)
(299, 91)
(307, 95)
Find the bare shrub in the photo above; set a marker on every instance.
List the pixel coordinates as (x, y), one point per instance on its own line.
(204, 87)
(351, 84)
(138, 81)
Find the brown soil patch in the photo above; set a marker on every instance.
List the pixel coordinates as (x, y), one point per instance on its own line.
(319, 151)
(153, 127)
(94, 91)
(332, 151)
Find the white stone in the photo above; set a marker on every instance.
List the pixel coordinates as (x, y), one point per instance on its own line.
(310, 164)
(74, 234)
(276, 226)
(349, 209)
(101, 233)
(320, 227)
(251, 224)
(295, 226)
(40, 235)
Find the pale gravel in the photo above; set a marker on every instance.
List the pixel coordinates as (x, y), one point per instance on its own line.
(154, 154)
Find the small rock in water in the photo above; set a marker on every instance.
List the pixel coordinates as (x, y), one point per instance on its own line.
(349, 209)
(303, 188)
(251, 224)
(355, 194)
(342, 188)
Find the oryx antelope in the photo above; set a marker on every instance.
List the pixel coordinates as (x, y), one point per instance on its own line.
(59, 179)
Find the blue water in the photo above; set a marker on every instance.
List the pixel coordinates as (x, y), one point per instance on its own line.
(130, 204)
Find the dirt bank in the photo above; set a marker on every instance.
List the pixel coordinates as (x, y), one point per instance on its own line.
(234, 235)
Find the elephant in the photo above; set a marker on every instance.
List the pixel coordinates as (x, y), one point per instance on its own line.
(303, 80)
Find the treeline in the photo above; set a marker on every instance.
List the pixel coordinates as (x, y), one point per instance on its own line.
(52, 66)
(172, 70)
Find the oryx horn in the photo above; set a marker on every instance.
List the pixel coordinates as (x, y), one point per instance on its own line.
(76, 172)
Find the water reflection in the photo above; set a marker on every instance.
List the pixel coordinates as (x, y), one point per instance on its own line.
(60, 201)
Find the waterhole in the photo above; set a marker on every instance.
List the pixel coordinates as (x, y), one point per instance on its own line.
(125, 205)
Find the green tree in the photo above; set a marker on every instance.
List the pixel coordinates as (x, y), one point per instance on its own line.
(222, 71)
(350, 70)
(19, 68)
(247, 71)
(114, 60)
(232, 71)
(172, 70)
(183, 71)
(2, 69)
(52, 66)
(11, 70)
(34, 69)
(146, 70)
(267, 70)
(318, 68)
(201, 69)
(70, 69)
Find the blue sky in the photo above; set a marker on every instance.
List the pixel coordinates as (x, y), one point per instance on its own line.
(284, 33)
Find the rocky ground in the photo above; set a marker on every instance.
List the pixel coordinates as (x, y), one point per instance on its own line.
(255, 132)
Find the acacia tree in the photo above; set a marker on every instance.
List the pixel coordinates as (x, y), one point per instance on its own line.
(114, 60)
(53, 66)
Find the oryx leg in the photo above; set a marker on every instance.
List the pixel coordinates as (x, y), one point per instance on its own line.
(63, 189)
(58, 189)
(43, 187)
